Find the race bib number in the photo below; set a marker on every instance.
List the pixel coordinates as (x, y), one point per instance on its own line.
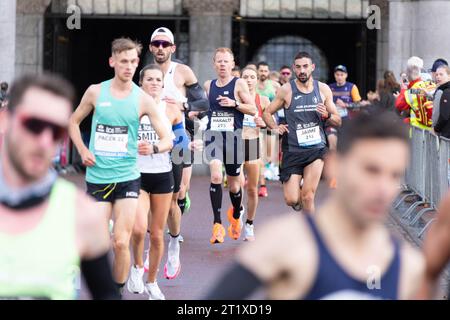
(309, 137)
(147, 133)
(111, 141)
(222, 121)
(249, 121)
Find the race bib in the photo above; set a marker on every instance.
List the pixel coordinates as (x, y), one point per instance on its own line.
(309, 137)
(222, 121)
(147, 133)
(249, 121)
(111, 141)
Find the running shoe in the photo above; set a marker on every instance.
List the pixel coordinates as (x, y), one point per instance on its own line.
(263, 192)
(298, 207)
(218, 234)
(153, 291)
(249, 232)
(187, 204)
(173, 266)
(111, 226)
(333, 183)
(275, 172)
(235, 227)
(135, 283)
(180, 237)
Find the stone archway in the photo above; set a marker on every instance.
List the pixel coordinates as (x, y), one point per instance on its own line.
(281, 50)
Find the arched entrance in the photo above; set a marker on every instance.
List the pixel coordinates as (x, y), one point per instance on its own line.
(280, 51)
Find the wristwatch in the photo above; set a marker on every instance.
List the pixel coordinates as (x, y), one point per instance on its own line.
(237, 104)
(185, 106)
(155, 149)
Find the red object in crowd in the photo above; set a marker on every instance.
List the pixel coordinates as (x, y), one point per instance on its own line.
(401, 104)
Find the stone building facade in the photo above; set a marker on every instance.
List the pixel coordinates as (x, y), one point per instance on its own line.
(408, 27)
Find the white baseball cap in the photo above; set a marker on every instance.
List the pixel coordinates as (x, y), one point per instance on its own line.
(163, 31)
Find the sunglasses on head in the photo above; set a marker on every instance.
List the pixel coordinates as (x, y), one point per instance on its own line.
(158, 43)
(37, 126)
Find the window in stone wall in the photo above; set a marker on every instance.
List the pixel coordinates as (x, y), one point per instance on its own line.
(304, 9)
(282, 50)
(121, 7)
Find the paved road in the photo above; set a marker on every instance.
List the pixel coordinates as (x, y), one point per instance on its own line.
(203, 263)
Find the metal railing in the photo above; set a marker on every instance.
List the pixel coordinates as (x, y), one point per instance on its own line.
(426, 180)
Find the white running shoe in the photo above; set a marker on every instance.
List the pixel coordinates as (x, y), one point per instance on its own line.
(180, 237)
(249, 232)
(173, 266)
(135, 283)
(153, 291)
(275, 172)
(147, 260)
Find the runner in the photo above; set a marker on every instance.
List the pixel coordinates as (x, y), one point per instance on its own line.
(180, 87)
(268, 88)
(112, 175)
(346, 97)
(308, 104)
(229, 99)
(345, 251)
(252, 144)
(155, 196)
(48, 228)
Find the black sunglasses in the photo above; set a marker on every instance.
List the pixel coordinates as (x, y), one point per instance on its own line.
(37, 126)
(158, 43)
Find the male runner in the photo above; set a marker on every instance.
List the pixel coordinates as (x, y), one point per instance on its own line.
(48, 228)
(345, 251)
(229, 99)
(346, 96)
(180, 87)
(268, 88)
(308, 105)
(112, 175)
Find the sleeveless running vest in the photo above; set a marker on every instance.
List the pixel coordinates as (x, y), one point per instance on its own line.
(170, 90)
(305, 123)
(333, 282)
(43, 263)
(223, 119)
(154, 163)
(114, 137)
(344, 93)
(268, 91)
(249, 121)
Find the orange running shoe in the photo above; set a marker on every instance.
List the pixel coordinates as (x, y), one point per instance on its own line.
(333, 183)
(235, 227)
(218, 234)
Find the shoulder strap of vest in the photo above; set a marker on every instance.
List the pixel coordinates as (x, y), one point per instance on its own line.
(258, 104)
(317, 90)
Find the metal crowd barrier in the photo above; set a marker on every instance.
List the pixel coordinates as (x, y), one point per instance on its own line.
(426, 180)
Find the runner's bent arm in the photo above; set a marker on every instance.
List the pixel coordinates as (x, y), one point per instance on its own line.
(83, 110)
(93, 241)
(197, 99)
(277, 104)
(436, 249)
(148, 107)
(335, 118)
(248, 105)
